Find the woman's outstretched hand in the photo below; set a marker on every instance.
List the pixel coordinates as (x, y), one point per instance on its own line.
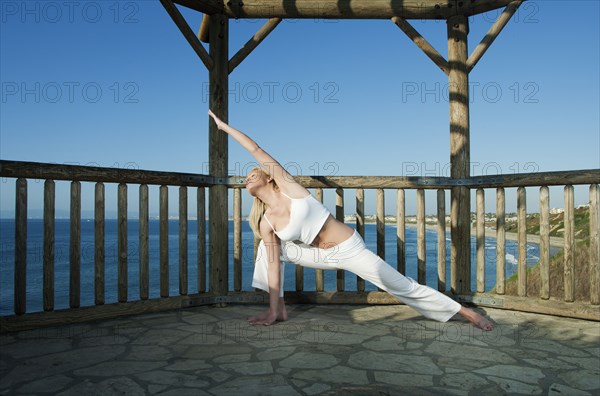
(220, 124)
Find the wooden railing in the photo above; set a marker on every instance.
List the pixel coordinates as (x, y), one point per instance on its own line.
(542, 303)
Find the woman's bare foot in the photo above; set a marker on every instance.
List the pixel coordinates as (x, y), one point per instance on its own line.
(267, 318)
(476, 319)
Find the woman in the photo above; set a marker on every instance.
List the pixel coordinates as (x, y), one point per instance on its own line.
(299, 229)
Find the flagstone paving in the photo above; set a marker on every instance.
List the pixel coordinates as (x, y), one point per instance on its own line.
(322, 350)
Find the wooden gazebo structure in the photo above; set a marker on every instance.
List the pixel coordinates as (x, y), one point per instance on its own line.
(215, 31)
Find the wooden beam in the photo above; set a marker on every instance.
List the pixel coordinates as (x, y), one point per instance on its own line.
(187, 32)
(492, 34)
(336, 9)
(204, 28)
(263, 32)
(427, 48)
(39, 170)
(204, 6)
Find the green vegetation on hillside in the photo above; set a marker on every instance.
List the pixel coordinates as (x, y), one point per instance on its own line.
(581, 262)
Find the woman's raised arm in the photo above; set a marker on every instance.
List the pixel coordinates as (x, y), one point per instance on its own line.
(273, 167)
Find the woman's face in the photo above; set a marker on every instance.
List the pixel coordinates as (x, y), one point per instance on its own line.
(255, 180)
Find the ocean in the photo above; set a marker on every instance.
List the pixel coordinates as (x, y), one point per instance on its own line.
(61, 263)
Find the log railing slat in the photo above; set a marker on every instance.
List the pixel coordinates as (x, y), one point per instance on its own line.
(421, 247)
(360, 228)
(380, 216)
(122, 243)
(441, 239)
(20, 290)
(99, 243)
(569, 263)
(339, 215)
(594, 244)
(201, 215)
(164, 240)
(75, 246)
(49, 209)
(522, 241)
(544, 243)
(401, 231)
(183, 241)
(480, 240)
(319, 274)
(144, 236)
(500, 241)
(237, 239)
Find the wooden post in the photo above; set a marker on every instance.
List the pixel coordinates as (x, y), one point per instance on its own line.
(401, 231)
(339, 215)
(441, 239)
(99, 244)
(380, 210)
(544, 243)
(20, 290)
(144, 237)
(500, 242)
(360, 228)
(460, 253)
(122, 242)
(569, 264)
(594, 244)
(237, 239)
(480, 243)
(319, 274)
(164, 240)
(49, 245)
(522, 241)
(201, 215)
(380, 217)
(75, 246)
(421, 247)
(218, 153)
(183, 241)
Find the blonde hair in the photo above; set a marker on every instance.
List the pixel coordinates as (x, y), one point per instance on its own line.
(258, 208)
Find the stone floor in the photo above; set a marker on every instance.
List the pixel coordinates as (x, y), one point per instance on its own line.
(321, 350)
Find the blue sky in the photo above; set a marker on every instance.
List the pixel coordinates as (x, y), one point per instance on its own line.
(115, 84)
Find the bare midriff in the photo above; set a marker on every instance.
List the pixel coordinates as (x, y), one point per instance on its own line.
(332, 234)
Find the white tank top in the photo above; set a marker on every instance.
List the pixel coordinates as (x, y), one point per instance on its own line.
(307, 216)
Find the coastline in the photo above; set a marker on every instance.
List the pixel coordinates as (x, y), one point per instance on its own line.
(491, 233)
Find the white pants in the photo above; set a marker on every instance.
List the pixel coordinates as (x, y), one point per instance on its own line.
(352, 255)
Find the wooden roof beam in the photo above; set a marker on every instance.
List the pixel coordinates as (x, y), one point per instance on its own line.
(204, 6)
(344, 9)
(492, 34)
(422, 43)
(187, 33)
